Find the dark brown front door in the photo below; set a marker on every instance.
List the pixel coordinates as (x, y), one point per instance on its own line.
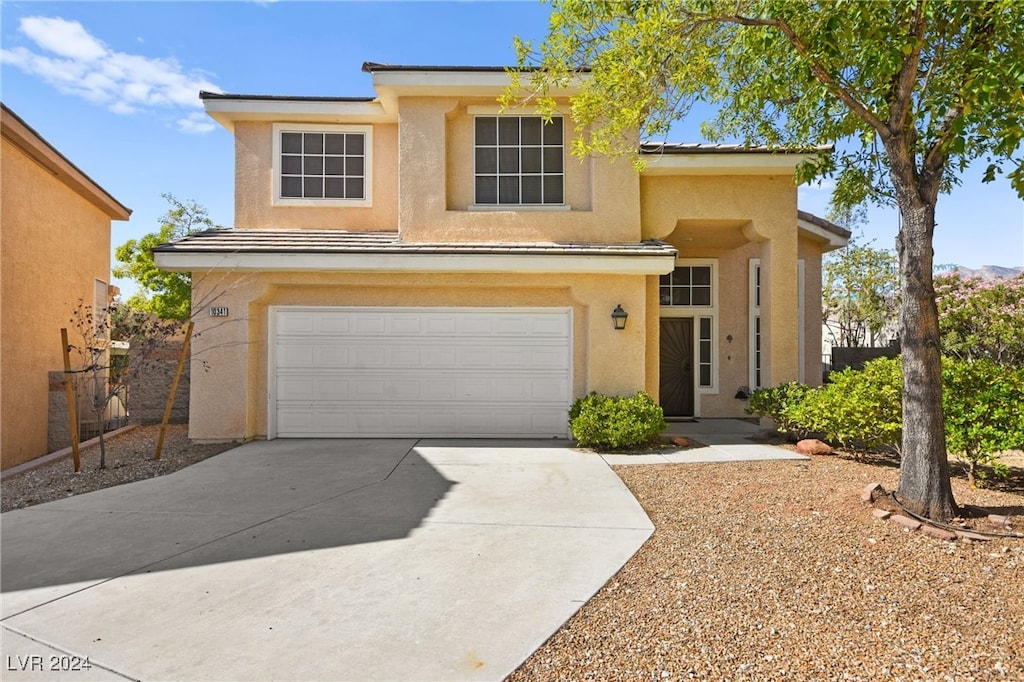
(676, 395)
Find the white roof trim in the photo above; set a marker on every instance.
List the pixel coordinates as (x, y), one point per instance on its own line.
(390, 262)
(718, 163)
(832, 240)
(227, 111)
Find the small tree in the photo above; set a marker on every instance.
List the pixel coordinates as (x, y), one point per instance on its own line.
(979, 319)
(168, 295)
(101, 378)
(860, 294)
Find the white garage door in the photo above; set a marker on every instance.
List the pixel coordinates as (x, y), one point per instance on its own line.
(420, 372)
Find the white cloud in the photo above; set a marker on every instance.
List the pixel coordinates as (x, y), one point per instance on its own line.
(77, 63)
(196, 123)
(66, 38)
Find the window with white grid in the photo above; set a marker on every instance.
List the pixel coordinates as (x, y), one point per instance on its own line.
(324, 165)
(519, 161)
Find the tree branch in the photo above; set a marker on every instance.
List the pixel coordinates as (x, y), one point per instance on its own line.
(817, 69)
(980, 43)
(906, 77)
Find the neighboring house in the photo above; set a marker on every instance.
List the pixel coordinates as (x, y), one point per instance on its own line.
(54, 252)
(423, 263)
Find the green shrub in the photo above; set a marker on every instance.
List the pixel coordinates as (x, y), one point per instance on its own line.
(857, 408)
(983, 403)
(778, 403)
(615, 422)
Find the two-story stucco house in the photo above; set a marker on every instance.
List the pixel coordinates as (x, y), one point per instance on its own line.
(423, 263)
(55, 250)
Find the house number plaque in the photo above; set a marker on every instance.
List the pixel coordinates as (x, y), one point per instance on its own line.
(219, 311)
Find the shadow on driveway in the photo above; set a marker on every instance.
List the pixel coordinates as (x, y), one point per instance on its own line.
(257, 500)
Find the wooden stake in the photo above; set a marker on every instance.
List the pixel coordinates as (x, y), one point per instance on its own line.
(174, 389)
(69, 387)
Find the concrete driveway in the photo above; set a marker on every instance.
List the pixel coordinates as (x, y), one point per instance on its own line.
(316, 560)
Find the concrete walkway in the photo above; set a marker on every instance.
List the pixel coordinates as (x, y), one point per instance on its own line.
(328, 560)
(316, 560)
(718, 440)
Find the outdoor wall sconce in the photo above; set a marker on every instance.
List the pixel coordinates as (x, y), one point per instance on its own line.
(619, 317)
(729, 338)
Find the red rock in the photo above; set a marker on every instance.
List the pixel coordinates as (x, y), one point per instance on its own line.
(881, 513)
(868, 494)
(905, 521)
(940, 533)
(999, 520)
(682, 442)
(972, 537)
(813, 446)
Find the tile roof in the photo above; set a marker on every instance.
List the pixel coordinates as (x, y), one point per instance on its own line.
(374, 67)
(706, 148)
(824, 224)
(291, 241)
(206, 95)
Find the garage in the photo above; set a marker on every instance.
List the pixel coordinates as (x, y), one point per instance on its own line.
(408, 372)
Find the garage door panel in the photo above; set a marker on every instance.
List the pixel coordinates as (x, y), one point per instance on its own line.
(412, 372)
(324, 421)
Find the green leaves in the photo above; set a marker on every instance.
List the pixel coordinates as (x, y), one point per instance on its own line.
(861, 409)
(939, 83)
(168, 295)
(979, 319)
(859, 293)
(615, 422)
(982, 404)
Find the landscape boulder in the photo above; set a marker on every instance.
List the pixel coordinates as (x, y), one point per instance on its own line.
(813, 446)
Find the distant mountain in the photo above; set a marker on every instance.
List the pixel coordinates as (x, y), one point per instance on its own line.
(988, 272)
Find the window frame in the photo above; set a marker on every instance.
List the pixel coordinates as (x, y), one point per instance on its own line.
(758, 365)
(563, 205)
(756, 354)
(330, 202)
(697, 312)
(691, 264)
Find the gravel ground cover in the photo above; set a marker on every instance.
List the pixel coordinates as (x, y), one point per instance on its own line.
(756, 571)
(129, 458)
(778, 571)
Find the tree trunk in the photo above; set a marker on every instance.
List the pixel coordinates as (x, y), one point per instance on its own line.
(924, 486)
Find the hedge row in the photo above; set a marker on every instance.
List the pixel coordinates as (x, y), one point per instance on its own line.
(862, 410)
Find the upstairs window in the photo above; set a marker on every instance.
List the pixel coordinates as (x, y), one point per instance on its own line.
(322, 165)
(687, 285)
(519, 161)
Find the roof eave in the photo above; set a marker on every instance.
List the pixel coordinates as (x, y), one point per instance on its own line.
(830, 235)
(25, 138)
(723, 163)
(198, 262)
(229, 110)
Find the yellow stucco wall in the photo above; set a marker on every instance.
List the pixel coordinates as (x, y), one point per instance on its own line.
(229, 398)
(438, 134)
(254, 207)
(733, 219)
(55, 244)
(811, 253)
(436, 177)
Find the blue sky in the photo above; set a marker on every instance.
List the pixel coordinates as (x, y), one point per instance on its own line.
(114, 86)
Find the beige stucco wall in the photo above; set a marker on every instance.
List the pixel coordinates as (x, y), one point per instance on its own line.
(55, 244)
(703, 214)
(434, 140)
(229, 398)
(437, 134)
(811, 253)
(254, 187)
